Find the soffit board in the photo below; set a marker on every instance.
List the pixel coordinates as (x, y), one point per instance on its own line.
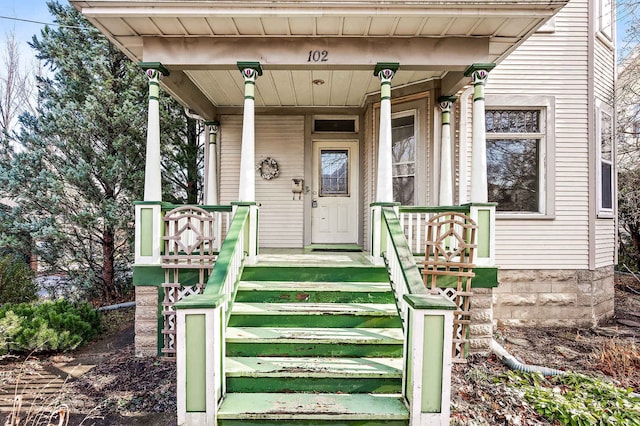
(504, 24)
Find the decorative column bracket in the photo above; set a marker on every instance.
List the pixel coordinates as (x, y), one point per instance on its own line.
(479, 192)
(446, 169)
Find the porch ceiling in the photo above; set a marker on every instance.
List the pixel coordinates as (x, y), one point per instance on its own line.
(187, 30)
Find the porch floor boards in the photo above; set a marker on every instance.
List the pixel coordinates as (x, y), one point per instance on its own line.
(304, 257)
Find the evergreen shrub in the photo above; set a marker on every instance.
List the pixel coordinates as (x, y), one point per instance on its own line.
(17, 282)
(47, 326)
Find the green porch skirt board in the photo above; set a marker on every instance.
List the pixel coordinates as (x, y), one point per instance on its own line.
(485, 278)
(153, 276)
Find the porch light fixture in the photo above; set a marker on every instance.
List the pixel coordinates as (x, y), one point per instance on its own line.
(318, 82)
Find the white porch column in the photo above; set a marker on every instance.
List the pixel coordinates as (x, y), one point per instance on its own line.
(152, 177)
(479, 74)
(384, 188)
(211, 176)
(446, 174)
(247, 191)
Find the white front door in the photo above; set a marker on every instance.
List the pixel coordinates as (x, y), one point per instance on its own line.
(334, 204)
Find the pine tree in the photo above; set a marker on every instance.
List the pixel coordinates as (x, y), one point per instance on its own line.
(81, 158)
(80, 162)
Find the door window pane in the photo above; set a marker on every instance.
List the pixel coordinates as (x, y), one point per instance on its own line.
(404, 159)
(334, 166)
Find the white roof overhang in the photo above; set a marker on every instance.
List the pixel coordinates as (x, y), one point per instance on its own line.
(299, 42)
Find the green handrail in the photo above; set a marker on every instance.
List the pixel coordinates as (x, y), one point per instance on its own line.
(412, 277)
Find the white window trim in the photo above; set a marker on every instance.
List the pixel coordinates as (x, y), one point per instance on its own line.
(604, 213)
(546, 105)
(604, 20)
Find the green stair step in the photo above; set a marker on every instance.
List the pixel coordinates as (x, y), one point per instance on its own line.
(313, 367)
(315, 335)
(328, 273)
(314, 315)
(320, 342)
(314, 292)
(312, 409)
(288, 374)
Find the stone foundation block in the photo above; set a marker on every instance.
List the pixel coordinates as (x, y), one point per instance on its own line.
(516, 299)
(557, 276)
(482, 316)
(146, 328)
(557, 299)
(480, 330)
(479, 345)
(532, 287)
(513, 276)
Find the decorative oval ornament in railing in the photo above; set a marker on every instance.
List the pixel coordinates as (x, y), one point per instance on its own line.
(268, 168)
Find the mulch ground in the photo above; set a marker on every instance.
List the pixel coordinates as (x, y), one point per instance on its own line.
(108, 385)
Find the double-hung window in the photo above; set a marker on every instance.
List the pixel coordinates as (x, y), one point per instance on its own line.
(604, 173)
(516, 154)
(403, 150)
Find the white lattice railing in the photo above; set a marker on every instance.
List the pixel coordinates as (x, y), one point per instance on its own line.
(191, 243)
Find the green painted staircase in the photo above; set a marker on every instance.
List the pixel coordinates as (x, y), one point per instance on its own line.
(313, 346)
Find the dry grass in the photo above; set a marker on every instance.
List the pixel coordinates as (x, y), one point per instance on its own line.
(620, 360)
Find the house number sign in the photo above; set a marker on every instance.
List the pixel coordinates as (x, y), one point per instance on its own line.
(318, 56)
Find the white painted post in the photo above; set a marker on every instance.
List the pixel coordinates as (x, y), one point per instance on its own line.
(428, 359)
(384, 175)
(152, 178)
(200, 370)
(376, 235)
(479, 74)
(252, 255)
(384, 187)
(148, 232)
(484, 215)
(211, 179)
(247, 191)
(446, 169)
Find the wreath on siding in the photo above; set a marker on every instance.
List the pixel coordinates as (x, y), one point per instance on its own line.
(268, 168)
